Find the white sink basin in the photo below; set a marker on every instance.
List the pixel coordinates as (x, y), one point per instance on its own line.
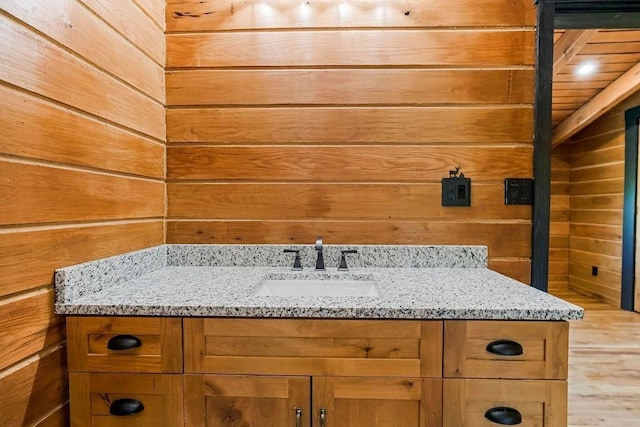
(318, 288)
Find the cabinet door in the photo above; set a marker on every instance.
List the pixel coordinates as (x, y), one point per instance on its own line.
(247, 401)
(382, 402)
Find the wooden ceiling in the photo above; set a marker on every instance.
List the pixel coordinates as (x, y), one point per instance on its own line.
(579, 100)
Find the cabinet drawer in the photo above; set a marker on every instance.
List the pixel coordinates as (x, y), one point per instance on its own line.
(505, 349)
(140, 400)
(471, 403)
(313, 347)
(125, 344)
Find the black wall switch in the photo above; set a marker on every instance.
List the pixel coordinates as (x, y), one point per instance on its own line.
(518, 191)
(456, 191)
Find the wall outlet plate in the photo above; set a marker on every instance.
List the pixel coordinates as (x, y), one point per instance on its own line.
(456, 191)
(518, 191)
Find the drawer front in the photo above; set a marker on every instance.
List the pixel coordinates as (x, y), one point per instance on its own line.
(505, 349)
(489, 403)
(123, 400)
(125, 344)
(313, 347)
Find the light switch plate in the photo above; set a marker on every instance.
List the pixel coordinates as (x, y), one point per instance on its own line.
(518, 191)
(456, 191)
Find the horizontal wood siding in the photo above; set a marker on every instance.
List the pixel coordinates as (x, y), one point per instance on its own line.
(72, 137)
(381, 163)
(331, 201)
(335, 125)
(37, 387)
(368, 232)
(155, 10)
(82, 168)
(205, 15)
(82, 31)
(69, 79)
(28, 256)
(597, 192)
(560, 208)
(129, 19)
(339, 119)
(41, 194)
(29, 325)
(278, 87)
(374, 48)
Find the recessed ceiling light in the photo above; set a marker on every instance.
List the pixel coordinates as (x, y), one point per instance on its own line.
(586, 69)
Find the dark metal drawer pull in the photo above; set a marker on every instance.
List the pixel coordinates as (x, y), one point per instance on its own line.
(505, 348)
(124, 342)
(124, 407)
(503, 415)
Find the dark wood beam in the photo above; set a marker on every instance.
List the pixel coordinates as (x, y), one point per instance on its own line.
(542, 146)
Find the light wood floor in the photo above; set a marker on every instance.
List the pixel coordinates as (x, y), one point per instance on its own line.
(604, 365)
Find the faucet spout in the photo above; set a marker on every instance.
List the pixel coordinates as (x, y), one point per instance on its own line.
(320, 260)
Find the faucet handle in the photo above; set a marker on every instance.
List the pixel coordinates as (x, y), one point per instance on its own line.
(297, 264)
(320, 260)
(343, 259)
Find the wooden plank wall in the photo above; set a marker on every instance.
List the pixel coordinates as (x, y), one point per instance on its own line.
(287, 120)
(560, 209)
(597, 193)
(82, 160)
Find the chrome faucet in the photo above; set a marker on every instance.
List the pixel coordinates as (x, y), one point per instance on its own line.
(320, 260)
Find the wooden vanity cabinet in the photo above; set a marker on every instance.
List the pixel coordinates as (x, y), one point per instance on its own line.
(337, 373)
(125, 371)
(318, 372)
(514, 371)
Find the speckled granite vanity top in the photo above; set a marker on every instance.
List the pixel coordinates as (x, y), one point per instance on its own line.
(414, 282)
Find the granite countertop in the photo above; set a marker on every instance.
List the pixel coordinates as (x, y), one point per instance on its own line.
(431, 282)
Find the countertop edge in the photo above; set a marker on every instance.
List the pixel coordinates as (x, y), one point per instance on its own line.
(315, 313)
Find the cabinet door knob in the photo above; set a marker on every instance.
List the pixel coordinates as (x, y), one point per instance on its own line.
(504, 415)
(323, 417)
(298, 417)
(505, 348)
(124, 342)
(125, 407)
